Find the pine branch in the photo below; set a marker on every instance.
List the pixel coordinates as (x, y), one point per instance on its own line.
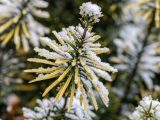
(133, 72)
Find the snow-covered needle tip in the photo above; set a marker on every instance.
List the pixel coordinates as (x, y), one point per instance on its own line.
(90, 12)
(148, 109)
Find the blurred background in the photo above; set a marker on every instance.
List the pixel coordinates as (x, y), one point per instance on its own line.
(137, 61)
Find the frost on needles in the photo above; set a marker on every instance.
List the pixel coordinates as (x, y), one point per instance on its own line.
(148, 109)
(147, 9)
(48, 110)
(18, 23)
(73, 63)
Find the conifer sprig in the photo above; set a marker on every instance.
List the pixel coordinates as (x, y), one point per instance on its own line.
(17, 22)
(73, 61)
